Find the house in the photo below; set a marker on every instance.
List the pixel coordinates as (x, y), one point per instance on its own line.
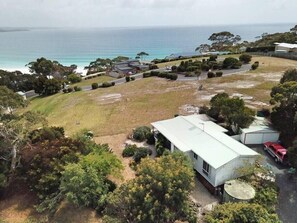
(128, 67)
(258, 132)
(215, 155)
(285, 48)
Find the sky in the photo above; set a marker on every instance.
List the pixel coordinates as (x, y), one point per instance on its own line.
(130, 13)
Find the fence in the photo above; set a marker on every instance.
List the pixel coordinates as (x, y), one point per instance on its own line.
(290, 56)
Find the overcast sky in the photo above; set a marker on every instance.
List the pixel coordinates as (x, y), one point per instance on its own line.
(123, 13)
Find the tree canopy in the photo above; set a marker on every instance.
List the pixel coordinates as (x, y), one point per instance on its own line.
(223, 40)
(10, 100)
(231, 110)
(159, 193)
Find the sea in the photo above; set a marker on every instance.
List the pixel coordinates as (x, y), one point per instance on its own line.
(80, 46)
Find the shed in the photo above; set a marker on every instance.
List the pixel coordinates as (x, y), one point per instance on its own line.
(260, 131)
(238, 191)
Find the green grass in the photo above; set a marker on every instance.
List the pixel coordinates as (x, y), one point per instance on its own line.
(88, 82)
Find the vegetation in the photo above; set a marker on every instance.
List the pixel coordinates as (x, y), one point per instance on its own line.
(231, 110)
(16, 81)
(223, 40)
(74, 78)
(141, 133)
(270, 39)
(255, 65)
(159, 193)
(284, 112)
(94, 86)
(141, 55)
(241, 213)
(245, 58)
(129, 150)
(231, 63)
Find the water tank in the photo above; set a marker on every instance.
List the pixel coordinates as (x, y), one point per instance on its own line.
(238, 191)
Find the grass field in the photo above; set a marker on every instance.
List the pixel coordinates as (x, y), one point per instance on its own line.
(100, 79)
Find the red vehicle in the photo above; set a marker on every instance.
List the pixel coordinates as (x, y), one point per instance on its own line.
(278, 152)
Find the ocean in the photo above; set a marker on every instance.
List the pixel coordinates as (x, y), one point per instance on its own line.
(80, 46)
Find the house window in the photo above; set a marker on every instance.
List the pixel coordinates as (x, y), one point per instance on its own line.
(195, 156)
(205, 168)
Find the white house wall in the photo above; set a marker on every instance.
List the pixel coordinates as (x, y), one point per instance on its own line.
(229, 170)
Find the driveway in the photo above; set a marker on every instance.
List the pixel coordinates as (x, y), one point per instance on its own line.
(287, 199)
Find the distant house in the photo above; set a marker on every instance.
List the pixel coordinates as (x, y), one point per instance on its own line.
(128, 67)
(22, 94)
(258, 132)
(215, 156)
(285, 48)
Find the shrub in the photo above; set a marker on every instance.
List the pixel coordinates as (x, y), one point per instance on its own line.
(171, 76)
(213, 57)
(174, 68)
(129, 150)
(219, 74)
(160, 149)
(132, 78)
(65, 90)
(106, 84)
(153, 67)
(231, 62)
(141, 153)
(205, 67)
(150, 138)
(113, 83)
(255, 65)
(76, 88)
(203, 110)
(162, 74)
(141, 133)
(95, 86)
(146, 75)
(245, 58)
(74, 78)
(154, 73)
(127, 78)
(211, 74)
(70, 89)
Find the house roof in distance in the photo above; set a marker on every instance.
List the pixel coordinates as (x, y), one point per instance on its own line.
(287, 45)
(205, 138)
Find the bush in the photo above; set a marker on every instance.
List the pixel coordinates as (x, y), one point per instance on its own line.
(129, 150)
(76, 88)
(211, 74)
(141, 153)
(154, 73)
(132, 78)
(231, 62)
(203, 110)
(141, 133)
(127, 78)
(171, 76)
(213, 57)
(95, 86)
(174, 68)
(70, 89)
(74, 78)
(65, 90)
(153, 67)
(255, 65)
(146, 75)
(113, 83)
(219, 74)
(245, 58)
(150, 138)
(205, 67)
(106, 84)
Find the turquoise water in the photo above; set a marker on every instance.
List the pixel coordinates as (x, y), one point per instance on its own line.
(80, 46)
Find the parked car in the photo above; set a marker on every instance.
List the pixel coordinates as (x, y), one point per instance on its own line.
(277, 151)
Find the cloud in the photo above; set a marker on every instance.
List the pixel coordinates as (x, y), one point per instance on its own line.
(144, 12)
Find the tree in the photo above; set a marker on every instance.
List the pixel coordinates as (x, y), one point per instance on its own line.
(241, 213)
(283, 115)
(10, 100)
(292, 154)
(74, 78)
(203, 48)
(44, 86)
(159, 193)
(142, 55)
(289, 75)
(41, 66)
(231, 110)
(223, 40)
(85, 183)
